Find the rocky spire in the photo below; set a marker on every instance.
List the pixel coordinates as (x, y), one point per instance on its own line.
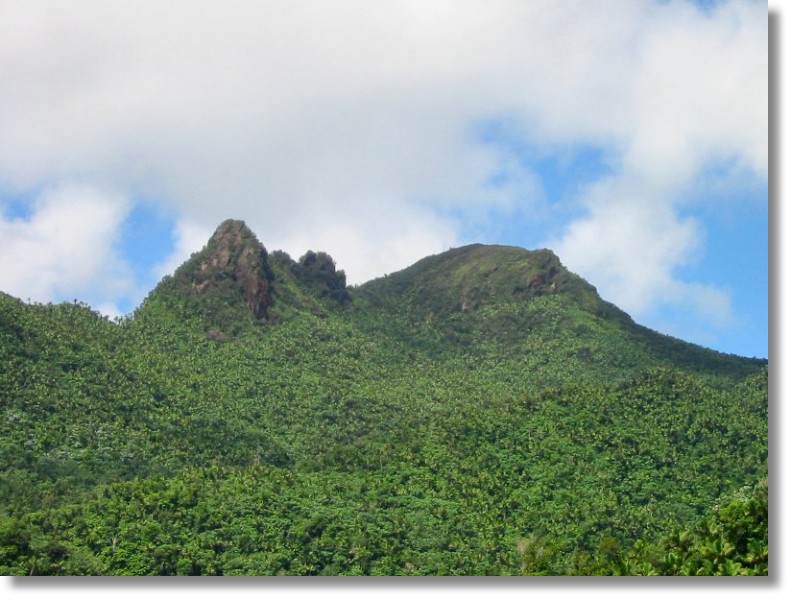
(232, 264)
(234, 252)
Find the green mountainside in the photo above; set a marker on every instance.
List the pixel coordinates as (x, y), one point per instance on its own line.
(483, 411)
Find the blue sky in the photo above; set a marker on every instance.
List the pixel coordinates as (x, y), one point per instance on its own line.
(630, 136)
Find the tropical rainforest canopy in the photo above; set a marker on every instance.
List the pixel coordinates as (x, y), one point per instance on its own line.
(483, 412)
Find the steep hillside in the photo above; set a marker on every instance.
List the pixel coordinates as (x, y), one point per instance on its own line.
(482, 412)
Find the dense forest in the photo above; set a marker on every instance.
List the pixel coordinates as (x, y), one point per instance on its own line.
(483, 412)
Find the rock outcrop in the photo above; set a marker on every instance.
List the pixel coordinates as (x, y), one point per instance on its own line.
(235, 257)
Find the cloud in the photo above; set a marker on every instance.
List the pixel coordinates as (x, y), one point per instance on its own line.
(351, 126)
(65, 247)
(403, 233)
(636, 249)
(697, 100)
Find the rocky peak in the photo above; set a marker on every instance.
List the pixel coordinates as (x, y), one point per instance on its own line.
(233, 261)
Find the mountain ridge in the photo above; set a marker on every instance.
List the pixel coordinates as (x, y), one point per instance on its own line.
(460, 279)
(233, 282)
(463, 296)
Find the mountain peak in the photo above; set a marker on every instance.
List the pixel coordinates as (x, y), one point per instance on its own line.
(233, 279)
(233, 228)
(235, 256)
(231, 270)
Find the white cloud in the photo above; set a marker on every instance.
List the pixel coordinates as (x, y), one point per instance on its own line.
(65, 247)
(635, 249)
(349, 126)
(701, 93)
(694, 96)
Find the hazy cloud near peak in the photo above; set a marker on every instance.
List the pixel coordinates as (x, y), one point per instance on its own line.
(350, 126)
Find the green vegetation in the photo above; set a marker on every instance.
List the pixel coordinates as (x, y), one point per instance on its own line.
(482, 412)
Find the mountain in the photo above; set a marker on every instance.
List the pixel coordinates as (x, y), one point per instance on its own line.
(483, 411)
(233, 265)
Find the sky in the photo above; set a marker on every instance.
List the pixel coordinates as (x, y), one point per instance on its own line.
(629, 136)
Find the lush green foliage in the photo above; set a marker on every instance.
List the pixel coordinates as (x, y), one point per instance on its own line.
(733, 539)
(534, 432)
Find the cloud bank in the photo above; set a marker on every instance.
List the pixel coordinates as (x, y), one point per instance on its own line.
(354, 127)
